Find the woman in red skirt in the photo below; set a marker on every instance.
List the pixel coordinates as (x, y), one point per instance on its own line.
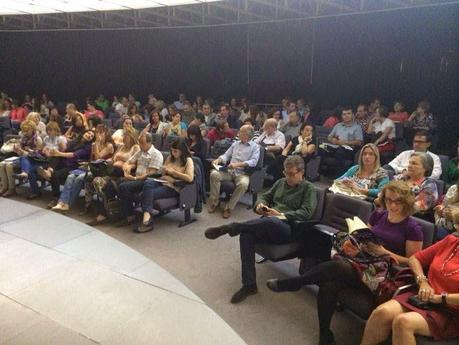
(440, 289)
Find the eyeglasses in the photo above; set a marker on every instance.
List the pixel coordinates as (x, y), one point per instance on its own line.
(397, 202)
(290, 173)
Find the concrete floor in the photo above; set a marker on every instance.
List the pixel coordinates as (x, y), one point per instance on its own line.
(211, 269)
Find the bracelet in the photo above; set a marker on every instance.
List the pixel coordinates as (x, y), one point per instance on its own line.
(420, 278)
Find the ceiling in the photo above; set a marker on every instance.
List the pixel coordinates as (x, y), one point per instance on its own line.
(45, 15)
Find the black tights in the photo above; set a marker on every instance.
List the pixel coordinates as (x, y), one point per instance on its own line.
(332, 277)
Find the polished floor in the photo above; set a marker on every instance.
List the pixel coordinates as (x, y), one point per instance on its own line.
(206, 271)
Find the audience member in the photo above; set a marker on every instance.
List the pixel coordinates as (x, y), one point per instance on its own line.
(102, 102)
(54, 116)
(17, 114)
(362, 117)
(445, 212)
(209, 115)
(399, 115)
(200, 121)
(382, 131)
(290, 199)
(176, 126)
(402, 237)
(422, 118)
(374, 104)
(156, 125)
(452, 169)
(242, 154)
(220, 132)
(177, 170)
(36, 118)
(421, 143)
(92, 111)
(292, 127)
(439, 289)
(272, 139)
(196, 143)
(145, 163)
(117, 136)
(133, 112)
(121, 108)
(188, 112)
(180, 102)
(78, 123)
(367, 178)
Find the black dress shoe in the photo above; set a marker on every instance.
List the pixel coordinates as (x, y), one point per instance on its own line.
(144, 227)
(273, 285)
(243, 293)
(217, 231)
(329, 339)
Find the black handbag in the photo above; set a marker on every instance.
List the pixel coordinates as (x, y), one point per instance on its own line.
(38, 158)
(100, 168)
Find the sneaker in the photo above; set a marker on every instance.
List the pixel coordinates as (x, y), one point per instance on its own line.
(243, 293)
(61, 207)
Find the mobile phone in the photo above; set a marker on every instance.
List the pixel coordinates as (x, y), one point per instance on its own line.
(415, 301)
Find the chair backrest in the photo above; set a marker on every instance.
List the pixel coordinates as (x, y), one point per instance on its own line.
(5, 122)
(168, 141)
(322, 134)
(157, 140)
(338, 207)
(399, 129)
(107, 123)
(444, 163)
(440, 186)
(207, 148)
(428, 230)
(312, 169)
(320, 195)
(261, 158)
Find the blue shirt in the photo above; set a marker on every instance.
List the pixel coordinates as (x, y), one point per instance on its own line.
(238, 152)
(348, 133)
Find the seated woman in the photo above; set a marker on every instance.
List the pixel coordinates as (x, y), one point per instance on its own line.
(102, 148)
(445, 212)
(440, 289)
(382, 132)
(177, 168)
(196, 143)
(402, 237)
(425, 190)
(156, 125)
(399, 115)
(177, 127)
(30, 142)
(76, 151)
(133, 113)
(368, 177)
(41, 127)
(117, 137)
(422, 118)
(104, 185)
(452, 169)
(304, 145)
(78, 127)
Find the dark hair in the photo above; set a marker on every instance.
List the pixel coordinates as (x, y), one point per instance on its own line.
(424, 105)
(382, 110)
(94, 121)
(307, 123)
(249, 120)
(345, 108)
(194, 130)
(200, 117)
(423, 133)
(220, 124)
(91, 102)
(156, 111)
(180, 144)
(131, 106)
(226, 106)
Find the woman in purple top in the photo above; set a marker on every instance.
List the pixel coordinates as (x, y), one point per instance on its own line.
(401, 237)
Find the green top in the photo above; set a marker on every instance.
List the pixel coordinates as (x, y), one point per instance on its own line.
(452, 172)
(102, 104)
(296, 203)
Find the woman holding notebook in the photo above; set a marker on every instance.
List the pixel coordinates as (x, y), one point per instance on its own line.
(401, 236)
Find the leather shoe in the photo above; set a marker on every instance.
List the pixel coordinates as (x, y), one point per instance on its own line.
(144, 227)
(216, 232)
(243, 293)
(226, 213)
(273, 285)
(212, 208)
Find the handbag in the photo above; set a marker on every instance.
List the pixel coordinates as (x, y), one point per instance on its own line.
(37, 157)
(389, 287)
(100, 168)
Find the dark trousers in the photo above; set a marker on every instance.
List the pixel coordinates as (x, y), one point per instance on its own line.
(127, 192)
(332, 277)
(57, 179)
(152, 191)
(260, 230)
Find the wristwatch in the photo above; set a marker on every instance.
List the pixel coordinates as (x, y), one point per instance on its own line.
(443, 295)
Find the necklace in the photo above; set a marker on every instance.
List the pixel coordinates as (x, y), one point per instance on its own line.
(443, 267)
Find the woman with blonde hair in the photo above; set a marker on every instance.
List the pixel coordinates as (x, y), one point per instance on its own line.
(30, 142)
(41, 127)
(366, 178)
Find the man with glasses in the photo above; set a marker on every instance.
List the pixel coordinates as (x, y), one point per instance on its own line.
(421, 143)
(290, 199)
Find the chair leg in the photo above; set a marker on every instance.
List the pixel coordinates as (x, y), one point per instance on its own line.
(254, 200)
(188, 219)
(261, 260)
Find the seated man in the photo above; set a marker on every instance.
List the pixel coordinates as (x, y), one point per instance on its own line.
(421, 143)
(146, 162)
(241, 154)
(345, 138)
(292, 127)
(272, 140)
(290, 199)
(220, 132)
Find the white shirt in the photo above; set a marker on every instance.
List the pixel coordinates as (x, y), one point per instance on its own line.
(400, 163)
(277, 139)
(152, 159)
(381, 127)
(121, 109)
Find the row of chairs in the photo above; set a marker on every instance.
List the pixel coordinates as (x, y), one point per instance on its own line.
(329, 218)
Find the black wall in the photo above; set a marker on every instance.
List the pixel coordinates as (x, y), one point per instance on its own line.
(355, 58)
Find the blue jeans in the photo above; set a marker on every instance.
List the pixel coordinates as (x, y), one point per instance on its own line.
(155, 190)
(31, 169)
(72, 187)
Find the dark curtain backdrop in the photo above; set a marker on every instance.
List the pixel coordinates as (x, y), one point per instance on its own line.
(396, 55)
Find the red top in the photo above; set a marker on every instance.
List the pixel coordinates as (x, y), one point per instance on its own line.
(98, 113)
(434, 257)
(331, 122)
(213, 135)
(18, 115)
(398, 116)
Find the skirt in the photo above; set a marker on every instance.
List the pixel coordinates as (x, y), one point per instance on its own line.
(443, 322)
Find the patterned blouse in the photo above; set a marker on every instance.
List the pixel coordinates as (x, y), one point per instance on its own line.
(426, 193)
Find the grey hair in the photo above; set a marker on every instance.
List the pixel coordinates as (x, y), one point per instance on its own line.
(426, 161)
(148, 137)
(296, 161)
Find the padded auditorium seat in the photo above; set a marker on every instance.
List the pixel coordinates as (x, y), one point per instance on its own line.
(280, 252)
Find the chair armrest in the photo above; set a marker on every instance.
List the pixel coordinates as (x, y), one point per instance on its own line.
(188, 196)
(325, 229)
(403, 288)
